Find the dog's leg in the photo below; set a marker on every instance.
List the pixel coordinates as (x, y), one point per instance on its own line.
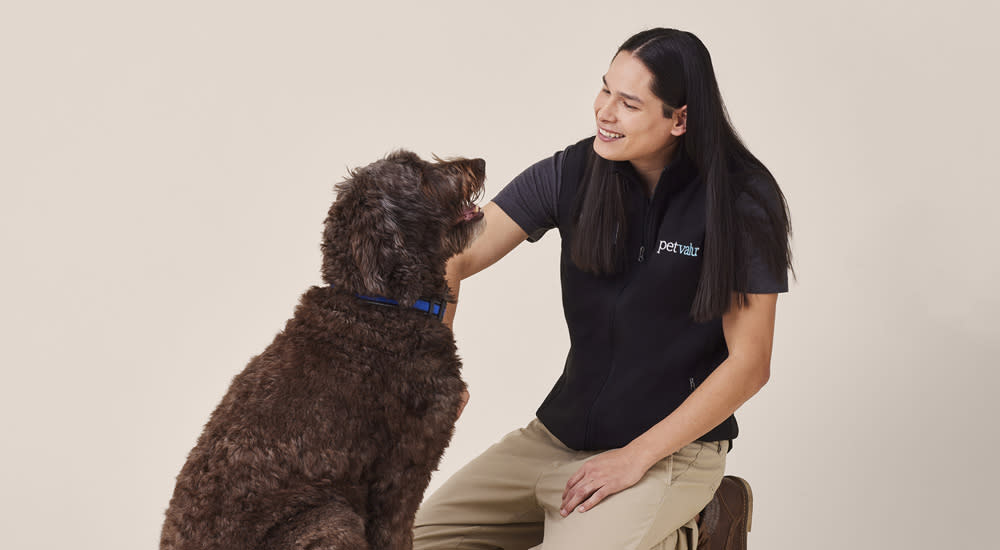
(332, 526)
(392, 505)
(402, 474)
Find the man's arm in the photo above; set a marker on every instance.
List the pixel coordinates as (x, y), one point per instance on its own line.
(499, 236)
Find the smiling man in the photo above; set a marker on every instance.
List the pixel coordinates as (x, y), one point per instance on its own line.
(631, 442)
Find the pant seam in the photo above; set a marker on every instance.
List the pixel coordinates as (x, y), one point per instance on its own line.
(701, 448)
(663, 497)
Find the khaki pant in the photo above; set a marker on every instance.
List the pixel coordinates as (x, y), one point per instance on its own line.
(509, 497)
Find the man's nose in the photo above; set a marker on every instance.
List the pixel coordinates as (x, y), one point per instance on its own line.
(605, 111)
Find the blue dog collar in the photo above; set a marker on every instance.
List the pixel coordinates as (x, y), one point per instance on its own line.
(433, 308)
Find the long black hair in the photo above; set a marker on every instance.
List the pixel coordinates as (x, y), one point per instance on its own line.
(683, 75)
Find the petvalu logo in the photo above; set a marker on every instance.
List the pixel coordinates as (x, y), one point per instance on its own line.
(677, 248)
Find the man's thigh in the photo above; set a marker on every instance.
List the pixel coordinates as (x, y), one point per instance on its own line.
(672, 492)
(490, 502)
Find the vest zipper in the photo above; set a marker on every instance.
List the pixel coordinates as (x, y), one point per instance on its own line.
(611, 325)
(645, 230)
(646, 223)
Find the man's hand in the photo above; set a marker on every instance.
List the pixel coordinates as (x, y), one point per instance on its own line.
(461, 407)
(600, 477)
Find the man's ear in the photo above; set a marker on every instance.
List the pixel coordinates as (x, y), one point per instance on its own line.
(680, 121)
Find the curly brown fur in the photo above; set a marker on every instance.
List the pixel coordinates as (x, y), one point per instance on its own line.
(328, 438)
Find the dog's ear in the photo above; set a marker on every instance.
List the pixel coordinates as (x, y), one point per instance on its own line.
(371, 244)
(354, 238)
(377, 207)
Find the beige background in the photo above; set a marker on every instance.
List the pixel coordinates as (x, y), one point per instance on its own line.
(167, 167)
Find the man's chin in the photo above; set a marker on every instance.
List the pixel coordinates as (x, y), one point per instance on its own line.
(608, 151)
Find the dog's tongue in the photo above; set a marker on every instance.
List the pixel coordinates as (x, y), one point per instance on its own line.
(471, 213)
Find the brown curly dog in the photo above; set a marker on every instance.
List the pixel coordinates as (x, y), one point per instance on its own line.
(327, 439)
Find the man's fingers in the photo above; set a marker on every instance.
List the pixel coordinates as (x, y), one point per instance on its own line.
(461, 406)
(575, 497)
(592, 501)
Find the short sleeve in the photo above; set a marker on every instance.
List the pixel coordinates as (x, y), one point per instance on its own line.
(761, 278)
(532, 198)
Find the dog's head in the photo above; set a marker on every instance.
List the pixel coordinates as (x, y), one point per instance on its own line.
(396, 222)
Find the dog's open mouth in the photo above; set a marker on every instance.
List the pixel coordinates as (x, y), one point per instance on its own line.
(470, 214)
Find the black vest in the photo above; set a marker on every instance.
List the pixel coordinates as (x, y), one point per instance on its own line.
(635, 353)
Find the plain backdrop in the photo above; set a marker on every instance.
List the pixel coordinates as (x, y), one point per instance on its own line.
(167, 166)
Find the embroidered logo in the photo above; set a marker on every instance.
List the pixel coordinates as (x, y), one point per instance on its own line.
(677, 248)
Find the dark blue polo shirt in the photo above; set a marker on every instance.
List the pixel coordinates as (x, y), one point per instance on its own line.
(635, 353)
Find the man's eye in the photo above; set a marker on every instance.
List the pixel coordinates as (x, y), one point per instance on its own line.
(629, 107)
(605, 91)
